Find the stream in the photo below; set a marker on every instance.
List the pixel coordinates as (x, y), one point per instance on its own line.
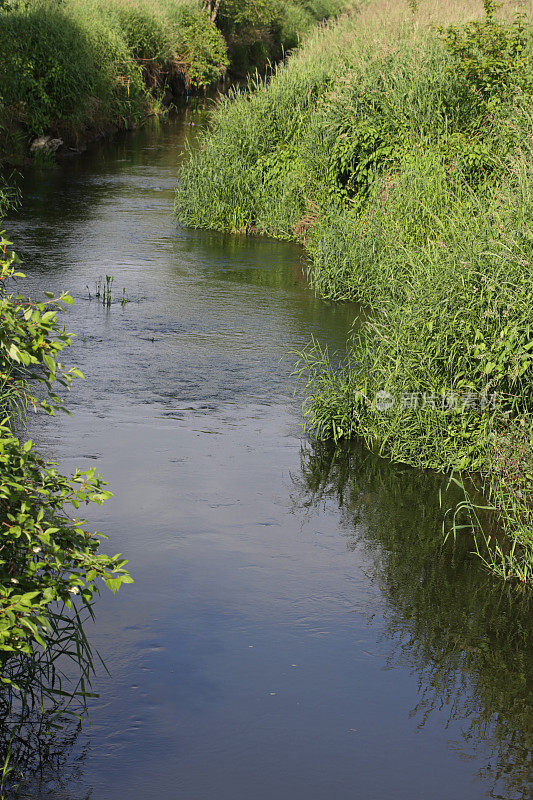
(296, 630)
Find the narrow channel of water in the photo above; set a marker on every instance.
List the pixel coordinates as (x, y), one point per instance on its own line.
(295, 631)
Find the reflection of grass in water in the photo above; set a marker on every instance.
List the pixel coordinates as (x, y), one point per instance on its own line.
(43, 701)
(468, 639)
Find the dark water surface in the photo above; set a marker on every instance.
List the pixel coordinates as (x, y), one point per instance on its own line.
(295, 630)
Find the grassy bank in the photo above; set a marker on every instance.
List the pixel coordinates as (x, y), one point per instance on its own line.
(397, 146)
(72, 69)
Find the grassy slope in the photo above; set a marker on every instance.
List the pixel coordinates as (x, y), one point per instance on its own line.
(74, 68)
(408, 174)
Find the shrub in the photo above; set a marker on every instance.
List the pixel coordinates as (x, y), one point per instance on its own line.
(492, 57)
(144, 33)
(262, 32)
(199, 44)
(46, 68)
(60, 73)
(46, 556)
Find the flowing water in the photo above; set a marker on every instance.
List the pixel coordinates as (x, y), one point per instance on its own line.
(295, 630)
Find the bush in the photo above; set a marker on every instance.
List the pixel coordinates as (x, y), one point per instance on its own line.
(46, 68)
(490, 56)
(199, 44)
(261, 32)
(175, 36)
(46, 556)
(144, 33)
(62, 74)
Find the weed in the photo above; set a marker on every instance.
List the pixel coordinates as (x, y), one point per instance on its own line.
(104, 291)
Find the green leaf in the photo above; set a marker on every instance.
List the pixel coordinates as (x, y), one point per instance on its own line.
(114, 584)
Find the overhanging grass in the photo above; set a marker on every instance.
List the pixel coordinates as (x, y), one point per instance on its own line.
(76, 68)
(404, 165)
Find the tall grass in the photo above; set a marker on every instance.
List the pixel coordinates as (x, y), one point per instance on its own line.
(250, 167)
(401, 155)
(76, 68)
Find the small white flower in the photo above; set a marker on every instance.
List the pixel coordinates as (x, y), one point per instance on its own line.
(73, 590)
(36, 549)
(14, 580)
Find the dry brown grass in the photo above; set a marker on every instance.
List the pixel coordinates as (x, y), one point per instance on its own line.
(371, 28)
(433, 12)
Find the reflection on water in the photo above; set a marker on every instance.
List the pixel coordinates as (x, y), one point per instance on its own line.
(467, 637)
(295, 629)
(43, 702)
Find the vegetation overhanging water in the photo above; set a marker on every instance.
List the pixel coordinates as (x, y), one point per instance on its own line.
(50, 556)
(284, 591)
(396, 145)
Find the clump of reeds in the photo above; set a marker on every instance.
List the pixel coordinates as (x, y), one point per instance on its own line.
(104, 291)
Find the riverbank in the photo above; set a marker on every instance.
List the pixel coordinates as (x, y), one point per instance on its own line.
(396, 146)
(79, 69)
(241, 532)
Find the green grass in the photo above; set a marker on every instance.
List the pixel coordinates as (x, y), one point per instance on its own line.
(401, 156)
(77, 68)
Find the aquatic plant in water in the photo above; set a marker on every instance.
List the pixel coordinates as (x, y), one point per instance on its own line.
(103, 291)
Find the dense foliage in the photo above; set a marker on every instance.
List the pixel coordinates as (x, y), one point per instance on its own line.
(398, 148)
(47, 557)
(76, 68)
(261, 31)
